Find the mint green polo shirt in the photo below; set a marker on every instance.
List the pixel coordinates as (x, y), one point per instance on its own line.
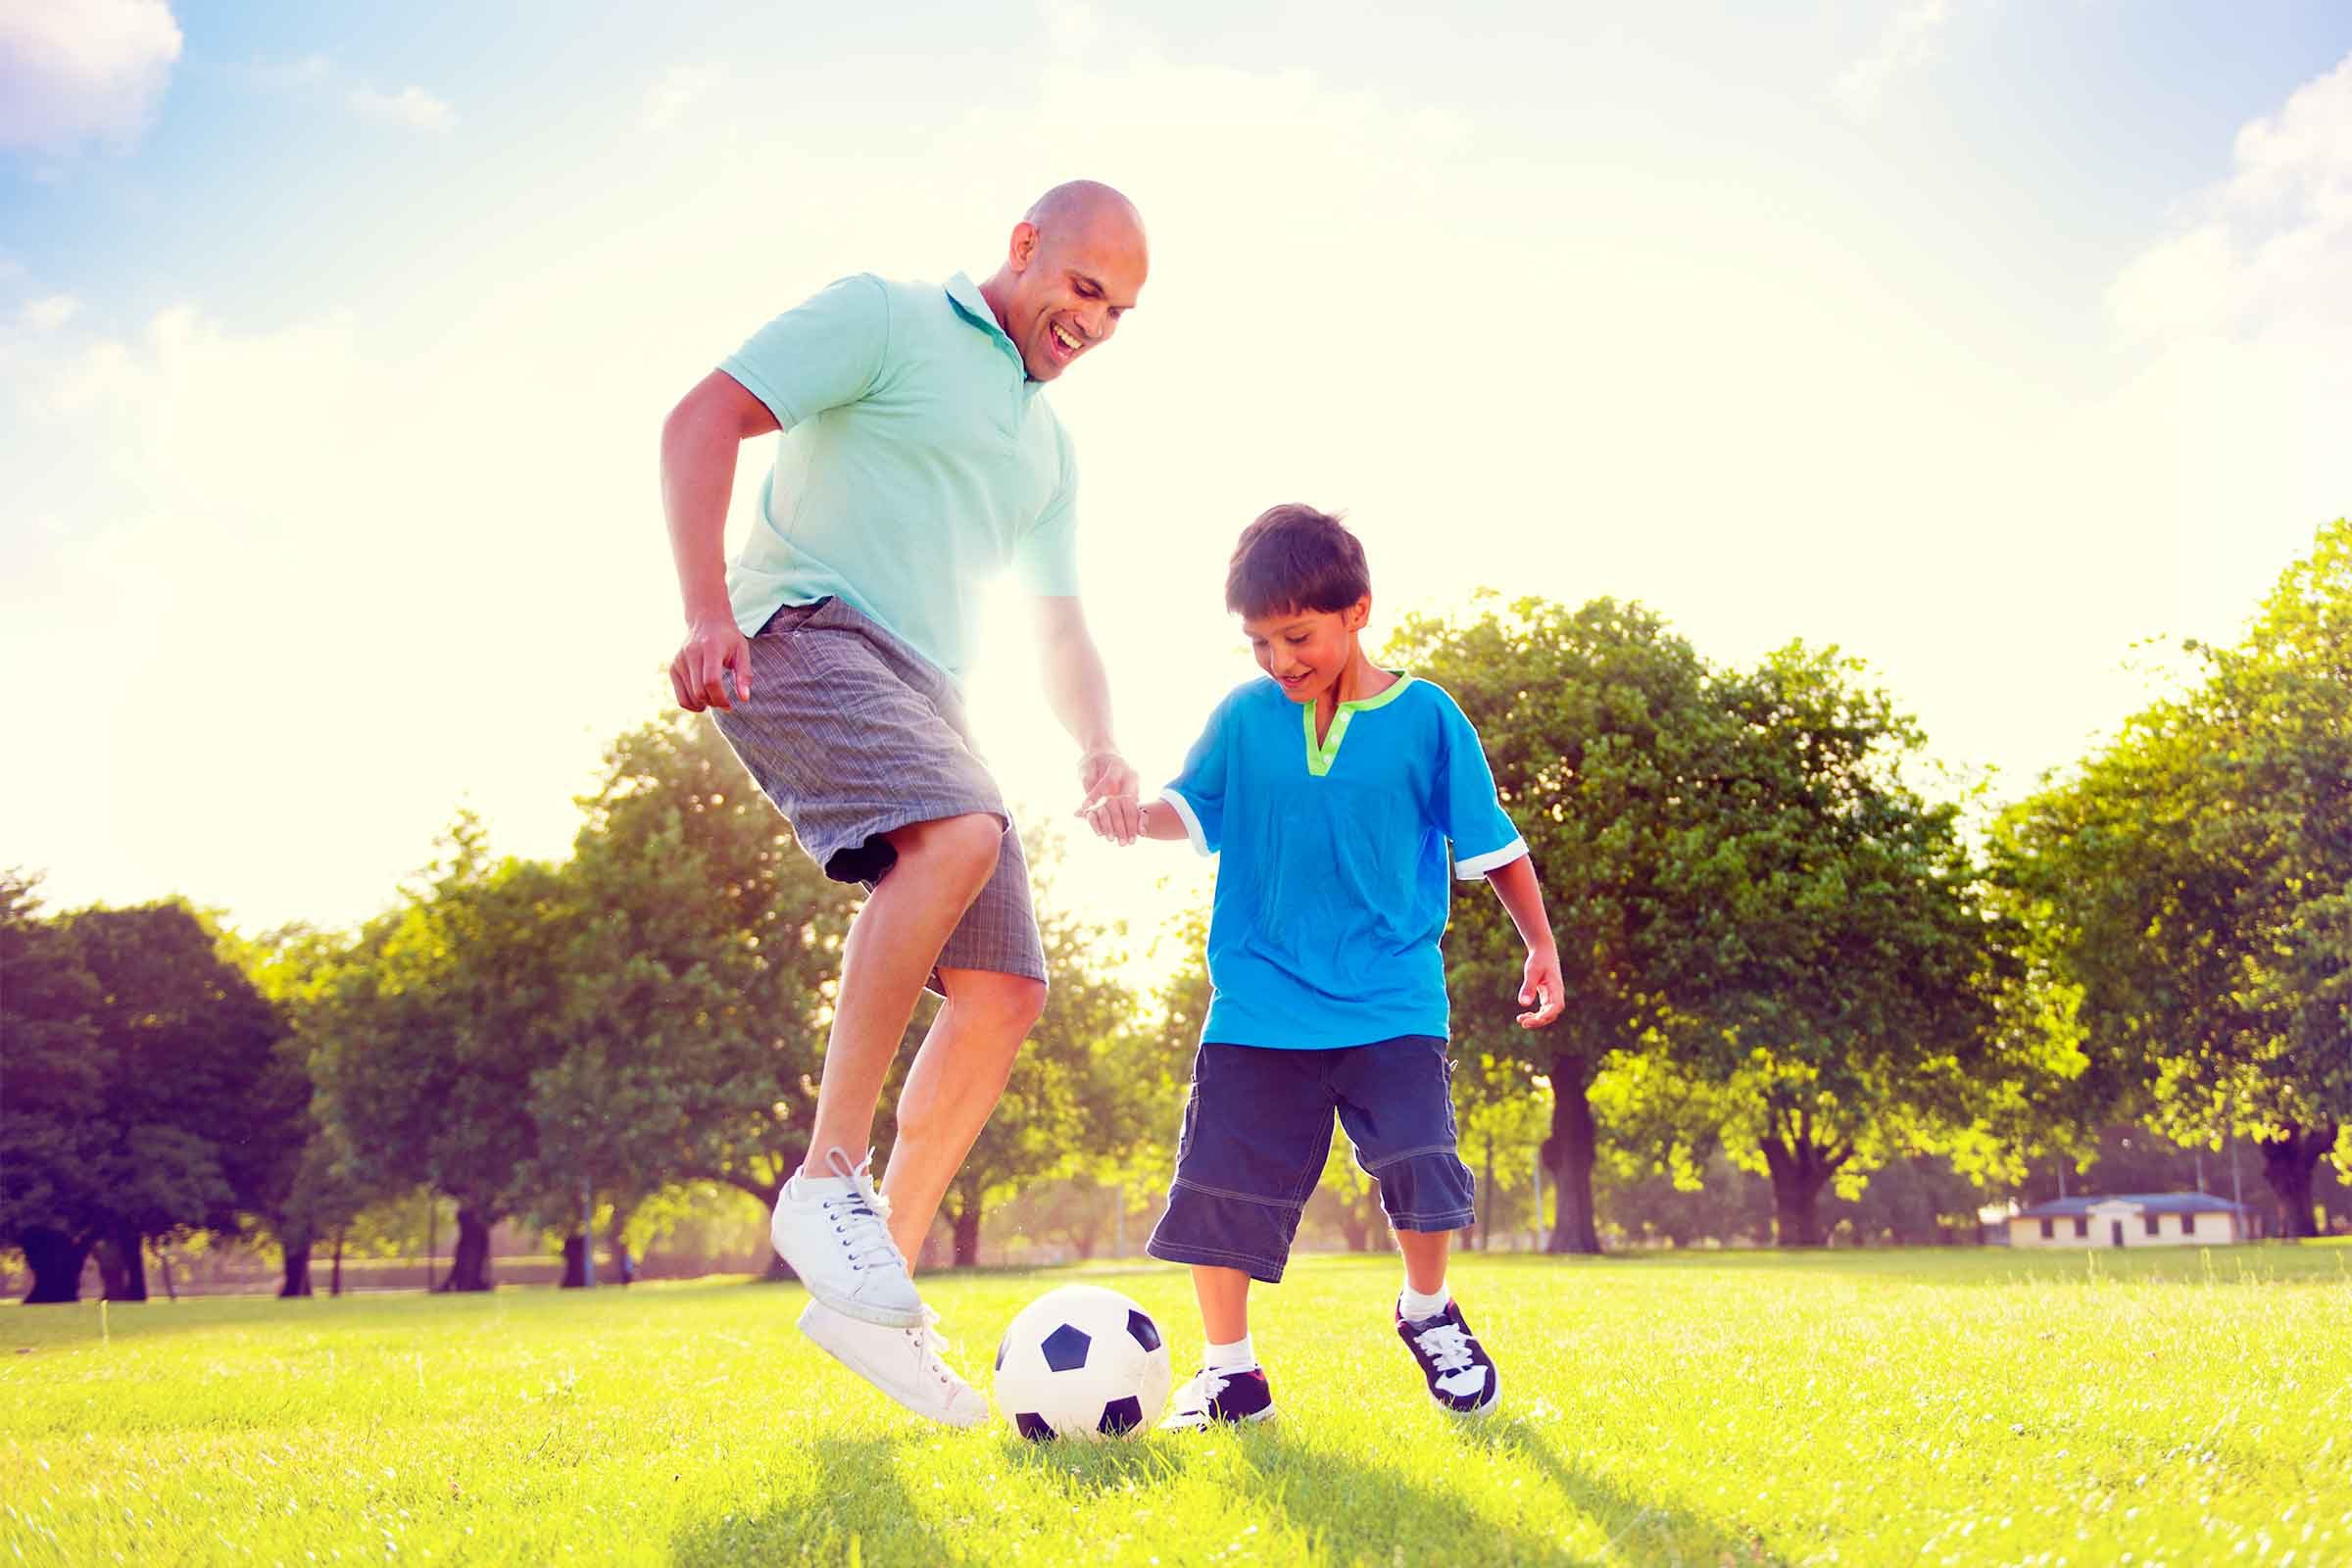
(917, 462)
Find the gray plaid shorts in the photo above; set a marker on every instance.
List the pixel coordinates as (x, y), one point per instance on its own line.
(853, 734)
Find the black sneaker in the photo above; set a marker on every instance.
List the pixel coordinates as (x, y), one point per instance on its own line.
(1212, 1396)
(1461, 1376)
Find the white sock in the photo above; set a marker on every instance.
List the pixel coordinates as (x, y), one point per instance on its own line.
(1239, 1356)
(1419, 1309)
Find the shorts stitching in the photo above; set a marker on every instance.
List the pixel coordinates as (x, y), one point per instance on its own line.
(1243, 1198)
(1452, 1220)
(1266, 1269)
(1409, 1154)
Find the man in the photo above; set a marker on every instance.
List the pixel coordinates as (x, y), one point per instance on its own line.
(918, 458)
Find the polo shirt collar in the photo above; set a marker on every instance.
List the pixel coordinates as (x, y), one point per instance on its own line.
(973, 306)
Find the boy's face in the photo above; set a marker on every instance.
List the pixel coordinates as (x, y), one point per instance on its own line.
(1307, 648)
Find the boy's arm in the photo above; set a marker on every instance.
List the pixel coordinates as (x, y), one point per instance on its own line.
(1540, 988)
(1160, 821)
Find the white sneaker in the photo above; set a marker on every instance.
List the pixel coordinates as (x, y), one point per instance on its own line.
(903, 1363)
(830, 1229)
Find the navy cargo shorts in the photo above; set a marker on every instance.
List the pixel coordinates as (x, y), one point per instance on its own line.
(1257, 1131)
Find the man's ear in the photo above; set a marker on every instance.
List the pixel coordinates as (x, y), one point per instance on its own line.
(1023, 249)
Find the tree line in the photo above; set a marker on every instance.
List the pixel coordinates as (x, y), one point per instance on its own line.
(1789, 953)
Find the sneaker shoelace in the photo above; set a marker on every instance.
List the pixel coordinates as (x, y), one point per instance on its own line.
(931, 1346)
(858, 1216)
(1447, 1347)
(1204, 1390)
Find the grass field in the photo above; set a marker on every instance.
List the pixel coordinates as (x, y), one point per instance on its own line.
(1726, 1409)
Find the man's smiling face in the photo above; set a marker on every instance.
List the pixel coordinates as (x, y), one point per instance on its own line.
(1072, 282)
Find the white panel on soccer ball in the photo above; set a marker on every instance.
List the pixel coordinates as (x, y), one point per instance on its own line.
(1082, 1361)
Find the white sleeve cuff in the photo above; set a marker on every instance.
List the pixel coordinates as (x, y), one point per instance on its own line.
(1479, 866)
(1192, 823)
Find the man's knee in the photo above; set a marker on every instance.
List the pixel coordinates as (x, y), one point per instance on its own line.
(961, 850)
(1002, 1006)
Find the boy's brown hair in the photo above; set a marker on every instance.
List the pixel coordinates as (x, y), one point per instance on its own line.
(1296, 558)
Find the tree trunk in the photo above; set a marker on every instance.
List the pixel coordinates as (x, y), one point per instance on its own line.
(1569, 1154)
(126, 1279)
(575, 1255)
(968, 1233)
(470, 1264)
(2290, 1163)
(1800, 1168)
(56, 1261)
(334, 1285)
(1354, 1227)
(298, 1272)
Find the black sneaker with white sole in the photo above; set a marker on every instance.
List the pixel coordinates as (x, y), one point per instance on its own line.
(1460, 1375)
(1211, 1397)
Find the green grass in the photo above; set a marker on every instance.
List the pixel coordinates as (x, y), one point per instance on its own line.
(1725, 1408)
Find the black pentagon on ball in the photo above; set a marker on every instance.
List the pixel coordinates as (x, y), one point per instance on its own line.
(1143, 1330)
(1121, 1415)
(1065, 1348)
(1036, 1428)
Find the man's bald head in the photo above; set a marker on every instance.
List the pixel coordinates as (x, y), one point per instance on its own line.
(1080, 204)
(1073, 268)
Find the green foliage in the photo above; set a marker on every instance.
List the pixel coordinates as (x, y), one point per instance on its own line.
(146, 1096)
(2189, 889)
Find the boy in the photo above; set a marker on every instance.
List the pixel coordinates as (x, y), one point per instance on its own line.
(1331, 791)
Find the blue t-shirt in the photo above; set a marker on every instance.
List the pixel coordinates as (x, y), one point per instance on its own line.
(1331, 873)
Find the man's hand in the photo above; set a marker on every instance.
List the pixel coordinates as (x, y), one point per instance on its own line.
(1542, 989)
(1110, 806)
(712, 648)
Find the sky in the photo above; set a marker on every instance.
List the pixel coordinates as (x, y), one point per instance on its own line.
(1988, 340)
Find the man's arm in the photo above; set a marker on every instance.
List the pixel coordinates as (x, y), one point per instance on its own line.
(1079, 693)
(698, 474)
(1540, 987)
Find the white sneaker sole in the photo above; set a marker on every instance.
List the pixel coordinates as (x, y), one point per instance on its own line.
(1206, 1423)
(849, 1353)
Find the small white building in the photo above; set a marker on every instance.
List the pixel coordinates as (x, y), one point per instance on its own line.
(2134, 1220)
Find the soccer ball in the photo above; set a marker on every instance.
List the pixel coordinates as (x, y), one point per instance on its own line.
(1081, 1362)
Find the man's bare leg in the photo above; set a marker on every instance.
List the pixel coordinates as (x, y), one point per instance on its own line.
(958, 1077)
(893, 945)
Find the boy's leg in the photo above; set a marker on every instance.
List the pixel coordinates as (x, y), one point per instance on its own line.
(1230, 1387)
(1224, 1295)
(1397, 1104)
(1425, 1254)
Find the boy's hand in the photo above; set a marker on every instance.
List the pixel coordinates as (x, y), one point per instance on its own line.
(1542, 990)
(712, 648)
(1110, 806)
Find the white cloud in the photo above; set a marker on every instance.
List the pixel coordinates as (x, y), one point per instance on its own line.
(2242, 322)
(48, 312)
(1909, 40)
(676, 91)
(71, 71)
(411, 106)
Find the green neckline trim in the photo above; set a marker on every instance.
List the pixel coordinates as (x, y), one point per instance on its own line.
(1319, 758)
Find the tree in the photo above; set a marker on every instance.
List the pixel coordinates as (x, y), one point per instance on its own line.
(2191, 883)
(1602, 735)
(430, 1030)
(1850, 1008)
(52, 1095)
(142, 1101)
(698, 984)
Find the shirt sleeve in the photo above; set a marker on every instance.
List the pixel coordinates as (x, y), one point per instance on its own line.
(1464, 802)
(1197, 794)
(823, 353)
(1045, 559)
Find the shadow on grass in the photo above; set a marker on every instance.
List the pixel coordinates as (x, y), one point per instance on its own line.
(1653, 1533)
(860, 1499)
